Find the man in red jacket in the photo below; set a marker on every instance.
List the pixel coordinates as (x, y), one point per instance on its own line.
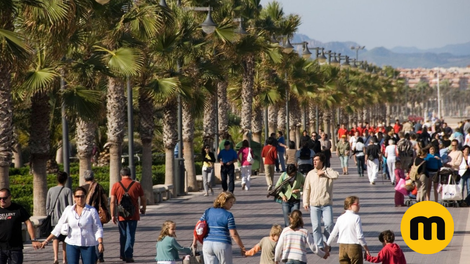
(397, 127)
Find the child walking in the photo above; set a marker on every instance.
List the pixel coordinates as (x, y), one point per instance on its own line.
(293, 242)
(167, 247)
(399, 174)
(391, 253)
(351, 239)
(267, 245)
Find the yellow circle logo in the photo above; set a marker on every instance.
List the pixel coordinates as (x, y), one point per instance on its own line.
(427, 227)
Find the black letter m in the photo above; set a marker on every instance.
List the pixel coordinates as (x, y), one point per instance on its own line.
(427, 227)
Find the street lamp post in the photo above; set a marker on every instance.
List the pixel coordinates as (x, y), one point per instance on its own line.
(357, 48)
(208, 26)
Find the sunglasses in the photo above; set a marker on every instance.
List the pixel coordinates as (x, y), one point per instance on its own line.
(4, 198)
(79, 196)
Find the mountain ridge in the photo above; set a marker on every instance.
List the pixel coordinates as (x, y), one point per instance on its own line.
(453, 55)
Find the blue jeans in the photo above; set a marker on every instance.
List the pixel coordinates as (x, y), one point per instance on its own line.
(11, 256)
(127, 238)
(228, 170)
(217, 252)
(360, 165)
(465, 182)
(282, 162)
(287, 208)
(87, 254)
(316, 215)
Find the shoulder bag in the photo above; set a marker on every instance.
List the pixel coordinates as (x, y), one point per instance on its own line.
(249, 157)
(45, 228)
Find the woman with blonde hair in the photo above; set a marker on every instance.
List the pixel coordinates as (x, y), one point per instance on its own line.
(217, 247)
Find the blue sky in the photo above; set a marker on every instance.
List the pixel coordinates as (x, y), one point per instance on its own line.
(383, 23)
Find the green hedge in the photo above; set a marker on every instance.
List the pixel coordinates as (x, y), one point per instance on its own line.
(21, 181)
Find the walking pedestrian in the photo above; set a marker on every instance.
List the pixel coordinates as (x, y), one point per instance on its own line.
(373, 155)
(269, 155)
(227, 158)
(208, 160)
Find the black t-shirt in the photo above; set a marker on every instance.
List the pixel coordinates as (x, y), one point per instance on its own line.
(11, 219)
(372, 151)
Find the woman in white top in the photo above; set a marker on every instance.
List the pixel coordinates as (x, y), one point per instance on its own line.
(391, 155)
(84, 230)
(292, 245)
(348, 229)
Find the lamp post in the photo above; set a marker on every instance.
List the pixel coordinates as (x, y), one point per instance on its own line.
(357, 48)
(208, 26)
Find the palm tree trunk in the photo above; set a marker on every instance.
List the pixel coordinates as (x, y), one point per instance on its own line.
(188, 149)
(272, 118)
(170, 137)
(311, 117)
(146, 128)
(86, 131)
(116, 116)
(294, 118)
(17, 156)
(247, 93)
(40, 147)
(257, 121)
(281, 117)
(209, 120)
(223, 107)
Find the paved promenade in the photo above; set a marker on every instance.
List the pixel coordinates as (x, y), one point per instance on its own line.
(255, 214)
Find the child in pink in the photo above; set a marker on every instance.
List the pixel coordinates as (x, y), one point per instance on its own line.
(399, 174)
(391, 253)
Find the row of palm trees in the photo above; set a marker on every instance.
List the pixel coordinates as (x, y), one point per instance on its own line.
(96, 48)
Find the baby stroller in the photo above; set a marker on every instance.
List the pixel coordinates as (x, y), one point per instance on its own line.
(443, 179)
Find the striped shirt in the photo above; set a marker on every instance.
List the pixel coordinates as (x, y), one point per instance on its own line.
(220, 221)
(292, 245)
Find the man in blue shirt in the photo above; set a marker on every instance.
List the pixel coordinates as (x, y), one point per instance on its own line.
(281, 150)
(227, 158)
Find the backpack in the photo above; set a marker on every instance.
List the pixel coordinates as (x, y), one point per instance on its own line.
(414, 171)
(304, 153)
(201, 229)
(126, 207)
(405, 148)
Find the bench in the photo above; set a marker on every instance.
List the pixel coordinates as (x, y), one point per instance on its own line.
(158, 192)
(36, 221)
(167, 193)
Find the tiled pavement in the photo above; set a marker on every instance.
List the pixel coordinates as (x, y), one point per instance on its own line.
(255, 214)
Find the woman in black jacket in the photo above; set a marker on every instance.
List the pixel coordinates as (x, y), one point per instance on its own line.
(208, 160)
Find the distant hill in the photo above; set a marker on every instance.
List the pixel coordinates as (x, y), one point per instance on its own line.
(456, 55)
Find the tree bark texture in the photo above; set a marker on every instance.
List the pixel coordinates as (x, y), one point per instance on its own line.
(210, 116)
(39, 143)
(85, 138)
(188, 148)
(146, 131)
(247, 93)
(223, 107)
(116, 116)
(170, 137)
(272, 118)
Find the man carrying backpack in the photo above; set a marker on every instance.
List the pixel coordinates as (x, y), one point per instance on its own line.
(125, 211)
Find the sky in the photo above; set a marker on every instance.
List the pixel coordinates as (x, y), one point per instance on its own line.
(422, 24)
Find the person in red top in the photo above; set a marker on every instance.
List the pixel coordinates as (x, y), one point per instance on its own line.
(127, 225)
(342, 131)
(397, 127)
(391, 253)
(359, 128)
(369, 128)
(269, 155)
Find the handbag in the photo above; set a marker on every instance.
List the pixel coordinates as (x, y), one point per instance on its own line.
(103, 212)
(249, 157)
(201, 229)
(45, 228)
(451, 192)
(401, 187)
